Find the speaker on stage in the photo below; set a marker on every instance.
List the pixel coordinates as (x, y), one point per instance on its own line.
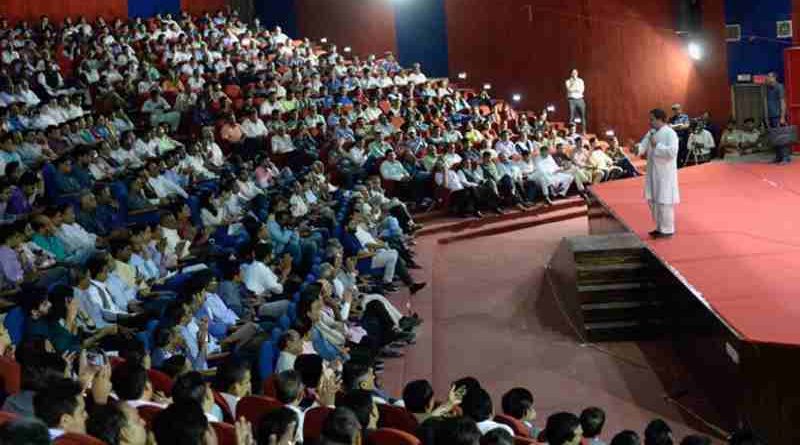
(689, 16)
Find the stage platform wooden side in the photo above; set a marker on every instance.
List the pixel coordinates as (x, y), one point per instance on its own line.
(611, 286)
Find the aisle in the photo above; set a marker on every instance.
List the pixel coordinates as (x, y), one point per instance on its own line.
(485, 317)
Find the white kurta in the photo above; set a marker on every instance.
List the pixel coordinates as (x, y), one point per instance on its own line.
(661, 180)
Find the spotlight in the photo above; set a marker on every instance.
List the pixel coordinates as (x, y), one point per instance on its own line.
(462, 75)
(516, 97)
(323, 40)
(551, 108)
(610, 133)
(347, 49)
(695, 50)
(487, 86)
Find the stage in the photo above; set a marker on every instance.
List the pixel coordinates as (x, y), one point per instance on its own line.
(733, 287)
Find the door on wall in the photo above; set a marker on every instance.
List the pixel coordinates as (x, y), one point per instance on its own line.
(791, 82)
(749, 101)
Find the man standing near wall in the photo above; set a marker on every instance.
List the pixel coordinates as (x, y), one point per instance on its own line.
(577, 104)
(776, 115)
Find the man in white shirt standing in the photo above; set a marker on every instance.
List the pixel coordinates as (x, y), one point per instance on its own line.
(660, 147)
(577, 104)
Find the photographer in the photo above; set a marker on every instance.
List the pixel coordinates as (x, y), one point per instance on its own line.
(700, 143)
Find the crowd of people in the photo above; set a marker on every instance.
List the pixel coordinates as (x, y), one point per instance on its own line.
(196, 210)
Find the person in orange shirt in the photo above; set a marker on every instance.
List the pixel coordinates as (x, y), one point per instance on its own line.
(172, 83)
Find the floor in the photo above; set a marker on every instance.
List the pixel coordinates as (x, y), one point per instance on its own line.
(485, 316)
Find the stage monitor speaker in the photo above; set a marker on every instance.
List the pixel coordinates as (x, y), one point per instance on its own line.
(689, 16)
(749, 100)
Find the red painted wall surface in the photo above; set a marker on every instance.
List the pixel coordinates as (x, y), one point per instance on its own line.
(197, 7)
(58, 9)
(625, 51)
(365, 25)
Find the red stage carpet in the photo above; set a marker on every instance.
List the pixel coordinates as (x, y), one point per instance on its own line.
(737, 242)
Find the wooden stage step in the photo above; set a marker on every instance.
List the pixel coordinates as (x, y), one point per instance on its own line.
(446, 223)
(605, 285)
(529, 220)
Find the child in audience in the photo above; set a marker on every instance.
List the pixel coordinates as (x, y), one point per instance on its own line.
(518, 403)
(592, 421)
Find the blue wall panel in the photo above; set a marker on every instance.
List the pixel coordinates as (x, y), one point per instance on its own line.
(149, 8)
(759, 51)
(421, 28)
(278, 12)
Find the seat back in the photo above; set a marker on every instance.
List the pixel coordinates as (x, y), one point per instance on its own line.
(268, 388)
(226, 433)
(518, 440)
(519, 428)
(15, 324)
(148, 413)
(6, 416)
(160, 381)
(227, 411)
(390, 436)
(253, 408)
(397, 418)
(312, 422)
(77, 439)
(10, 376)
(267, 356)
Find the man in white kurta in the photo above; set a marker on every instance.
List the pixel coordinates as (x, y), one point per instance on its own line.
(660, 147)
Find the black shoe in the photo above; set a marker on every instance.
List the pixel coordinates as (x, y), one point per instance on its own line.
(477, 214)
(663, 235)
(416, 287)
(654, 233)
(390, 288)
(390, 353)
(408, 323)
(499, 211)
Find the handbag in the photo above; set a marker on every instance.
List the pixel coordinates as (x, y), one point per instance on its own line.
(782, 136)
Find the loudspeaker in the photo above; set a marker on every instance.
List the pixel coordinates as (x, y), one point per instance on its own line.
(688, 16)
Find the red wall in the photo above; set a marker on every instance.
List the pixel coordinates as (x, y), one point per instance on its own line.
(58, 9)
(630, 59)
(365, 25)
(197, 7)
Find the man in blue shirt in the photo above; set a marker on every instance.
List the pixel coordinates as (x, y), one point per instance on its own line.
(776, 115)
(680, 122)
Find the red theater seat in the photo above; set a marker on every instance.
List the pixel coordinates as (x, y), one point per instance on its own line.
(226, 433)
(160, 381)
(6, 416)
(10, 375)
(312, 422)
(269, 386)
(77, 439)
(396, 418)
(227, 411)
(519, 428)
(389, 436)
(253, 408)
(148, 413)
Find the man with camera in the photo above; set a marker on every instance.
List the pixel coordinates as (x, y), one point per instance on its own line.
(700, 143)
